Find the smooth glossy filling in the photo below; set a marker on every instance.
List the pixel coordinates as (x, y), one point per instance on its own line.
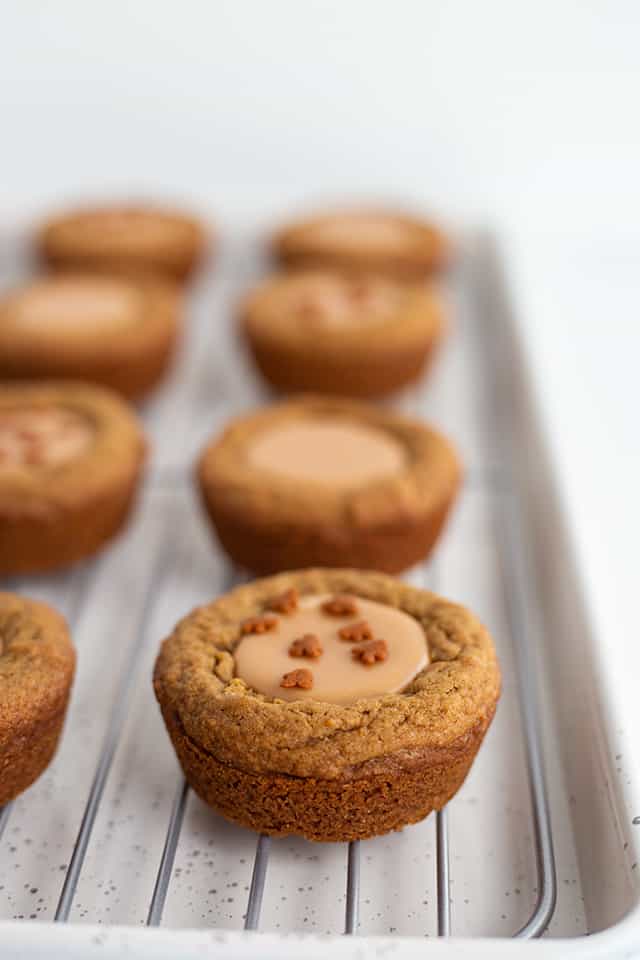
(42, 437)
(94, 305)
(366, 231)
(336, 453)
(339, 674)
(335, 301)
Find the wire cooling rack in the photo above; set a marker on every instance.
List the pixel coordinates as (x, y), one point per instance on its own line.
(112, 834)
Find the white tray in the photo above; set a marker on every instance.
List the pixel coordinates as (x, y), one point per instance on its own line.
(109, 839)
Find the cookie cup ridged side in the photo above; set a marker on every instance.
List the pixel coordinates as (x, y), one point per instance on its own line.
(324, 771)
(268, 524)
(53, 517)
(37, 663)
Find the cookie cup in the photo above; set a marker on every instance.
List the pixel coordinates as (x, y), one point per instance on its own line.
(267, 523)
(130, 240)
(53, 516)
(324, 771)
(358, 360)
(37, 663)
(411, 250)
(130, 358)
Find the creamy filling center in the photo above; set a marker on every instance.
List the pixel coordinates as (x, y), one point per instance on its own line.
(342, 670)
(93, 305)
(44, 437)
(335, 453)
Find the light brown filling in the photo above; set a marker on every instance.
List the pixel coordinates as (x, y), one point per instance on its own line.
(95, 305)
(263, 659)
(331, 452)
(44, 437)
(335, 301)
(367, 232)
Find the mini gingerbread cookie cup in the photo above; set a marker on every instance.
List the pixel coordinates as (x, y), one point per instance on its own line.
(130, 240)
(71, 458)
(286, 761)
(321, 482)
(325, 332)
(37, 663)
(365, 240)
(117, 332)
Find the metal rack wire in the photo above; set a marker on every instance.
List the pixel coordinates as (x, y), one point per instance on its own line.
(516, 577)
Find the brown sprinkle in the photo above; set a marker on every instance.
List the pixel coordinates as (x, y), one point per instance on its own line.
(306, 646)
(340, 606)
(372, 652)
(285, 602)
(356, 632)
(259, 624)
(298, 678)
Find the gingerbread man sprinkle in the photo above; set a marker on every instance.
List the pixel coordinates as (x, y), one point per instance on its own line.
(286, 602)
(306, 646)
(375, 651)
(340, 606)
(259, 624)
(356, 632)
(297, 678)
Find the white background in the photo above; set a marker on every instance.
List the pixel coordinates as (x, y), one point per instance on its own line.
(482, 109)
(523, 115)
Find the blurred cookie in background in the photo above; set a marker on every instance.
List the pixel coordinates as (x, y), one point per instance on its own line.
(134, 240)
(321, 481)
(323, 331)
(396, 244)
(71, 459)
(108, 330)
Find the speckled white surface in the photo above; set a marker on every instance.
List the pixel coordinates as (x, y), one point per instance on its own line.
(167, 556)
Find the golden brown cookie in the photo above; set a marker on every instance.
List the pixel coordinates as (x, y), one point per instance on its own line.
(131, 240)
(277, 742)
(71, 458)
(37, 663)
(372, 240)
(327, 332)
(322, 482)
(117, 332)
